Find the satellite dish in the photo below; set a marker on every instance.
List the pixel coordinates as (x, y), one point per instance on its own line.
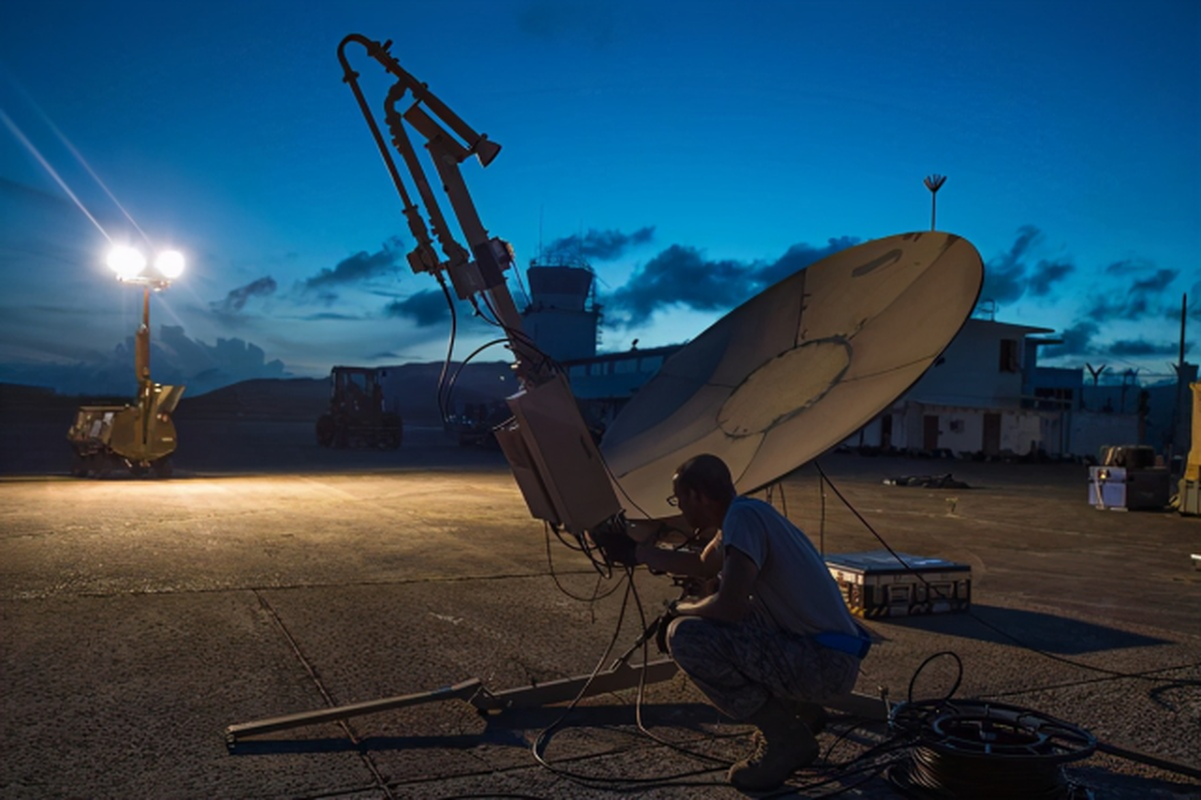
(798, 368)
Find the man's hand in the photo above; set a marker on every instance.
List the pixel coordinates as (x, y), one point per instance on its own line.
(664, 622)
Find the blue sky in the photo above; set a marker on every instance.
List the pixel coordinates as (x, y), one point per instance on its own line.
(687, 149)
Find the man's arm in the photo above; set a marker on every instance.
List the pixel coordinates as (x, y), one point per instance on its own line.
(733, 597)
(705, 564)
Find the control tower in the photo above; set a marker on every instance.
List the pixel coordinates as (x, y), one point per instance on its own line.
(563, 317)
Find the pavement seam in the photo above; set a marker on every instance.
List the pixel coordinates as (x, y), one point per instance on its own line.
(290, 586)
(372, 767)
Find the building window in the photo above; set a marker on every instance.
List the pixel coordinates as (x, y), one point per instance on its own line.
(956, 426)
(1009, 355)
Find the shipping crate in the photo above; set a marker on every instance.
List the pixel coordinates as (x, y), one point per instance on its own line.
(874, 584)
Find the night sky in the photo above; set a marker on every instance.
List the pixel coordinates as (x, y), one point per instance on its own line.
(692, 153)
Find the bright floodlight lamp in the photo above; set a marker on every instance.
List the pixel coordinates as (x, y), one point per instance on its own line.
(130, 266)
(126, 261)
(170, 264)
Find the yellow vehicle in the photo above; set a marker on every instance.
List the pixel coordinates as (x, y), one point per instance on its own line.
(139, 436)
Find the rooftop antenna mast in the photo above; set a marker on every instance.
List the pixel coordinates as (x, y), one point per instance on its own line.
(934, 183)
(1178, 412)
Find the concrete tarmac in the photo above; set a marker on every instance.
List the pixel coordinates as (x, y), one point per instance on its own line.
(142, 617)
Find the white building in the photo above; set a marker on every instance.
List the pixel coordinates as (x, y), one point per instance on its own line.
(973, 401)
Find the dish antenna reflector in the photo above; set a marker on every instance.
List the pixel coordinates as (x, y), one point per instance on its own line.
(798, 368)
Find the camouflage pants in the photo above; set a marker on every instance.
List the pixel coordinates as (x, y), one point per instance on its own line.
(741, 666)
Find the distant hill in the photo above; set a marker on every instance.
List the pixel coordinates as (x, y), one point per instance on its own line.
(410, 388)
(281, 398)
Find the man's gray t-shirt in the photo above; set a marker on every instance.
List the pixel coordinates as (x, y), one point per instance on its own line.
(794, 589)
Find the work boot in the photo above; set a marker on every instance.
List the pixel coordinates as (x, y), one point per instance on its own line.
(783, 746)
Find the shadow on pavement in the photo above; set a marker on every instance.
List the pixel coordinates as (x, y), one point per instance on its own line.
(1031, 629)
(506, 729)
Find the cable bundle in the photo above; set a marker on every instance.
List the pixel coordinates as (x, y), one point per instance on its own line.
(976, 749)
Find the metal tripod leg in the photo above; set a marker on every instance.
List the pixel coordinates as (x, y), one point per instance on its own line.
(619, 676)
(233, 733)
(622, 676)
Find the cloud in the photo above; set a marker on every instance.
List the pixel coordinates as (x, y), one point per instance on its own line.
(1193, 309)
(326, 316)
(1005, 275)
(1138, 293)
(1077, 340)
(236, 299)
(1015, 273)
(682, 276)
(175, 359)
(360, 267)
(595, 245)
(1141, 348)
(1048, 273)
(800, 256)
(427, 308)
(1081, 340)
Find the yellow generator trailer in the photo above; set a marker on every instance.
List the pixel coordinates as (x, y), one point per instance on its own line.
(139, 437)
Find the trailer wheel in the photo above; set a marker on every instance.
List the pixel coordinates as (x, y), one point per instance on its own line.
(163, 468)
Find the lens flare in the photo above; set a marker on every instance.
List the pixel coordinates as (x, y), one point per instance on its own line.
(170, 263)
(126, 261)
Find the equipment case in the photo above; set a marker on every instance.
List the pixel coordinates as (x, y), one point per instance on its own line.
(874, 584)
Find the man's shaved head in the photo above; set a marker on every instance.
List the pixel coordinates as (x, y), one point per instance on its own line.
(708, 476)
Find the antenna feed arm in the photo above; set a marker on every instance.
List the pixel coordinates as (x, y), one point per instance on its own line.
(478, 144)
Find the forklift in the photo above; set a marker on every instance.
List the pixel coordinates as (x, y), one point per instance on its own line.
(357, 416)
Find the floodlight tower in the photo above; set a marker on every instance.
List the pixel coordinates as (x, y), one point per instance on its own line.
(141, 435)
(130, 267)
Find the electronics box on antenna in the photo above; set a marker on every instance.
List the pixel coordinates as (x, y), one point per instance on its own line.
(875, 585)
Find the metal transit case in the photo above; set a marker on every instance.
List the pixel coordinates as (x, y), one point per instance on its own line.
(876, 584)
(799, 367)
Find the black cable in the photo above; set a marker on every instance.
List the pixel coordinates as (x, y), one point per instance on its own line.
(450, 345)
(445, 395)
(596, 595)
(1168, 683)
(939, 593)
(924, 664)
(517, 334)
(606, 782)
(821, 495)
(946, 775)
(725, 763)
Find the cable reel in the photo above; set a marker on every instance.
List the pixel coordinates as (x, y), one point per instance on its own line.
(979, 749)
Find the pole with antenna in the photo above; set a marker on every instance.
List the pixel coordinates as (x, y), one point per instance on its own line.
(934, 183)
(1178, 413)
